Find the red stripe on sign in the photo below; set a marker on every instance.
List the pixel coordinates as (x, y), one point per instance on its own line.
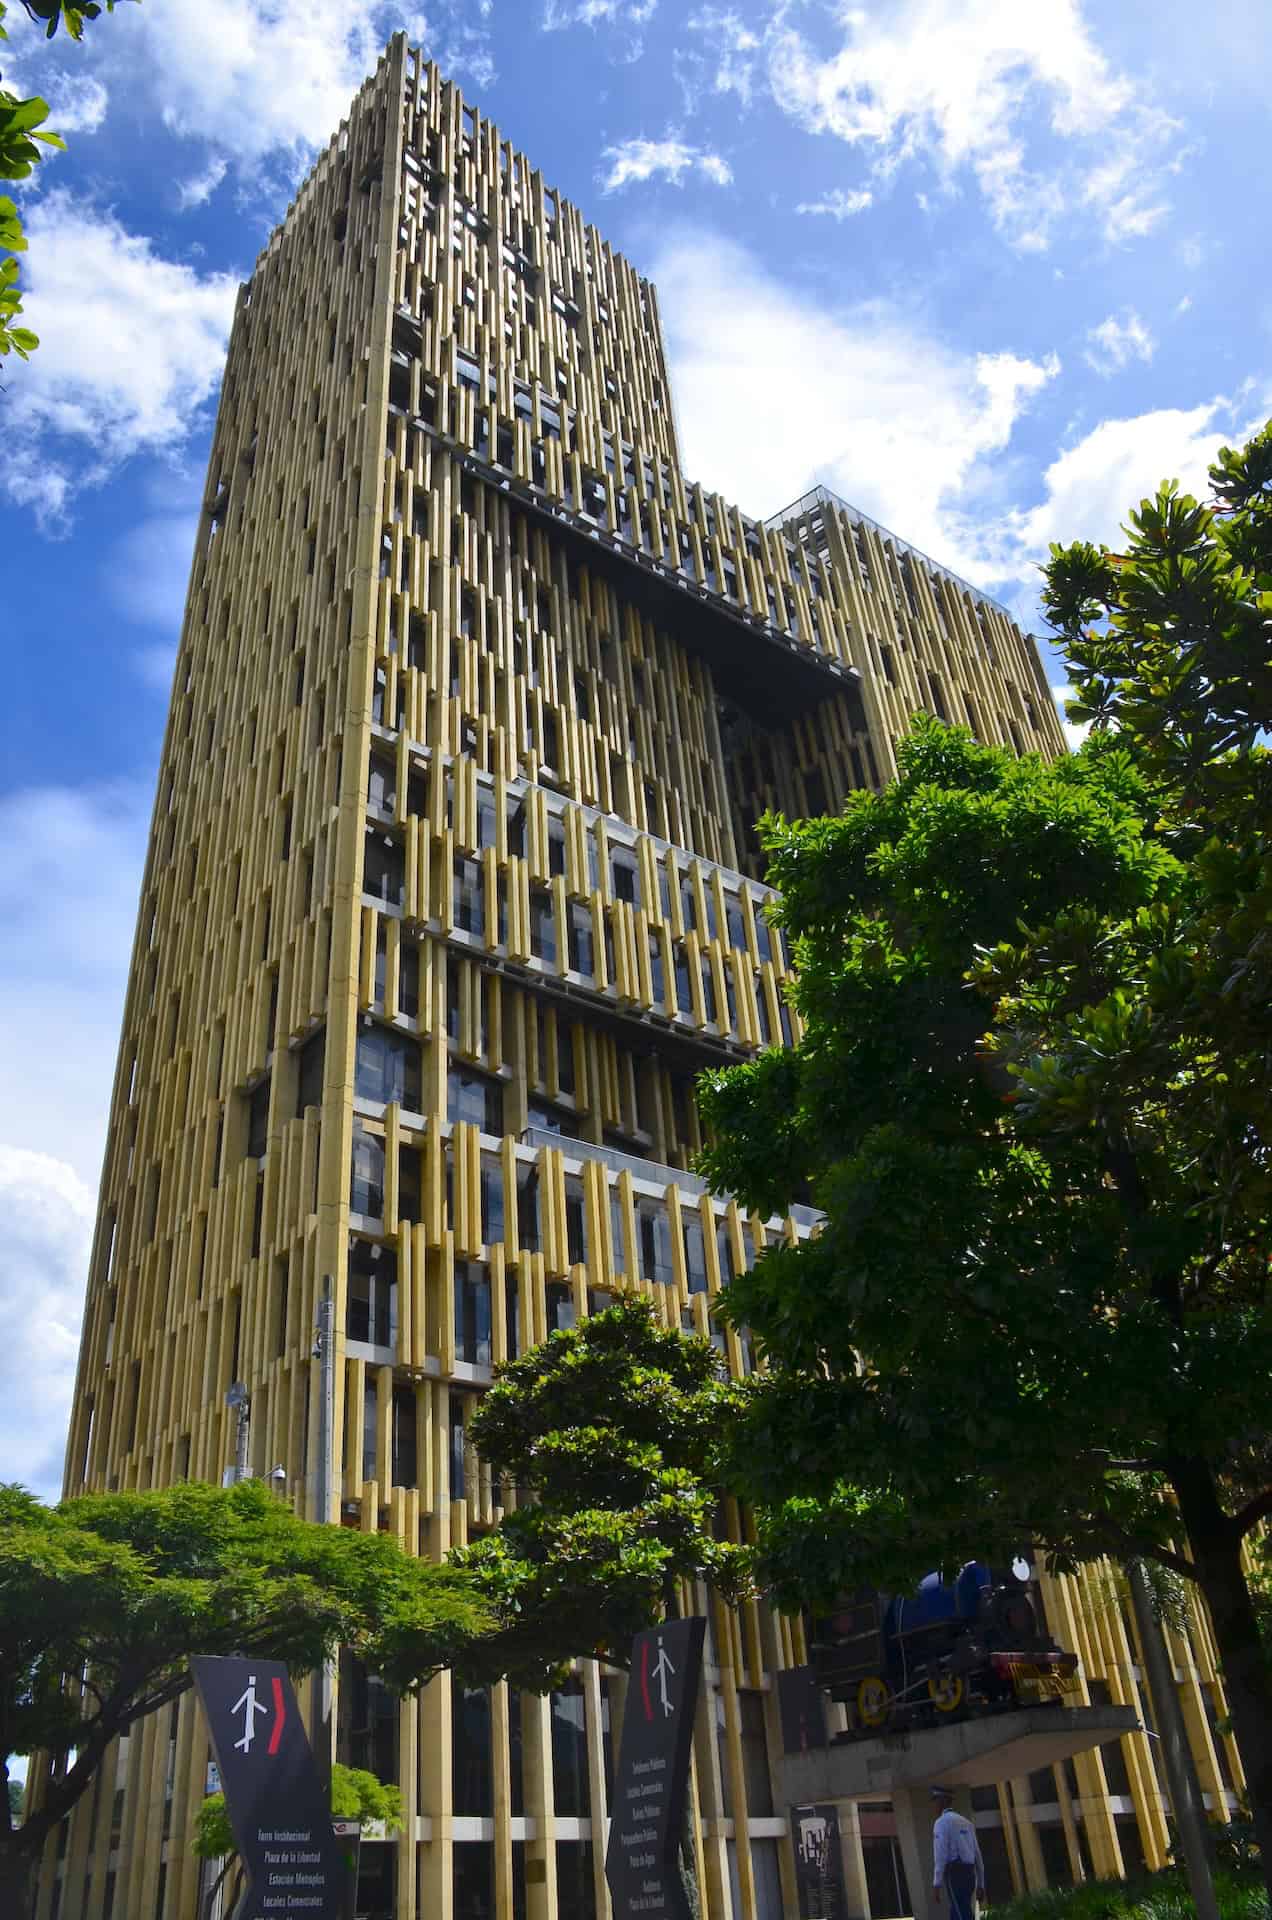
(280, 1716)
(644, 1679)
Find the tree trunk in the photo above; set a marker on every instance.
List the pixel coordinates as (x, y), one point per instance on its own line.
(1181, 1775)
(16, 1864)
(1247, 1675)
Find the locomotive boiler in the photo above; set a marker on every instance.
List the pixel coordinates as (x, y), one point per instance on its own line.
(974, 1644)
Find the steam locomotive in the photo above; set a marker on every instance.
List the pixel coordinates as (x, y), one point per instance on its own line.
(971, 1645)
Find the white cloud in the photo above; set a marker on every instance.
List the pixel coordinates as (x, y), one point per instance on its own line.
(970, 85)
(731, 46)
(839, 203)
(1117, 341)
(199, 188)
(596, 13)
(77, 102)
(46, 1228)
(1183, 305)
(70, 870)
(639, 159)
(776, 393)
(70, 875)
(146, 573)
(1089, 489)
(131, 349)
(249, 76)
(258, 79)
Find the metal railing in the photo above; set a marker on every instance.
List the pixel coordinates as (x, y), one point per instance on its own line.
(820, 496)
(652, 1171)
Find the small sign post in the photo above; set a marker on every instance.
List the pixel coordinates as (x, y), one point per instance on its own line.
(653, 1773)
(819, 1863)
(277, 1810)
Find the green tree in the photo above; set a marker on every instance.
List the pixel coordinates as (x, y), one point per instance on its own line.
(606, 1434)
(356, 1794)
(1032, 1100)
(104, 1598)
(21, 126)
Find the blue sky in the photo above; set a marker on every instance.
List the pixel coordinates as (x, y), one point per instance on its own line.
(988, 268)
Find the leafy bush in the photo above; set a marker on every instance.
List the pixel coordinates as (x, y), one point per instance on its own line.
(1163, 1896)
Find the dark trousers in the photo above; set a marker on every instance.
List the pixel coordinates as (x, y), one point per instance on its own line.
(960, 1884)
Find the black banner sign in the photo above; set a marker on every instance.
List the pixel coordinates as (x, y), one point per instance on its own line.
(653, 1773)
(800, 1709)
(819, 1863)
(277, 1809)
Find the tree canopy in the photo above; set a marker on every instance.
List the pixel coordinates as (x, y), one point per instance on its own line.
(104, 1598)
(605, 1436)
(21, 126)
(1032, 1099)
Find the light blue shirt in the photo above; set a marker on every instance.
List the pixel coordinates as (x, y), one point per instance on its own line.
(954, 1838)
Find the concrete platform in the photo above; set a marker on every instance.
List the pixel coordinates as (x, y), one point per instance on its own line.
(968, 1753)
(903, 1767)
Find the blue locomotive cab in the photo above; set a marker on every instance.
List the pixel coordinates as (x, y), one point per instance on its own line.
(973, 1643)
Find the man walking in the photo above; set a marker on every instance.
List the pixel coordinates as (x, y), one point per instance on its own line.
(956, 1858)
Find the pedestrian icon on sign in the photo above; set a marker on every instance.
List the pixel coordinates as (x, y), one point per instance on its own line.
(663, 1667)
(250, 1707)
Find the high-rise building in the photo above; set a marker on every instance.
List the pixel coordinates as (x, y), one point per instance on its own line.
(452, 888)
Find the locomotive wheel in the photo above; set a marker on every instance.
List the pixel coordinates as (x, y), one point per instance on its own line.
(874, 1701)
(945, 1691)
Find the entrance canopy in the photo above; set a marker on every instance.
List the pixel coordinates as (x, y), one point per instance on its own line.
(969, 1753)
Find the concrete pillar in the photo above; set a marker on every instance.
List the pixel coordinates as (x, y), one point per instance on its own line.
(856, 1891)
(915, 1811)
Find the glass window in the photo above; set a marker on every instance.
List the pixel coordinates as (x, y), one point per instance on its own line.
(408, 1183)
(551, 1120)
(575, 1220)
(543, 940)
(473, 1869)
(469, 910)
(409, 979)
(366, 1180)
(626, 879)
(258, 1120)
(471, 1755)
(470, 1097)
(405, 1471)
(387, 1067)
(684, 986)
(654, 1232)
(657, 981)
(709, 1006)
(581, 945)
(309, 1073)
(755, 1767)
(768, 1880)
(369, 1429)
(371, 1303)
(560, 1304)
(528, 1208)
(472, 1313)
(512, 1316)
(695, 1253)
(383, 869)
(565, 1055)
(569, 1752)
(492, 1202)
(382, 782)
(458, 1452)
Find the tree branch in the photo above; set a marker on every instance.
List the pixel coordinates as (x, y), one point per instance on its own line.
(1253, 1511)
